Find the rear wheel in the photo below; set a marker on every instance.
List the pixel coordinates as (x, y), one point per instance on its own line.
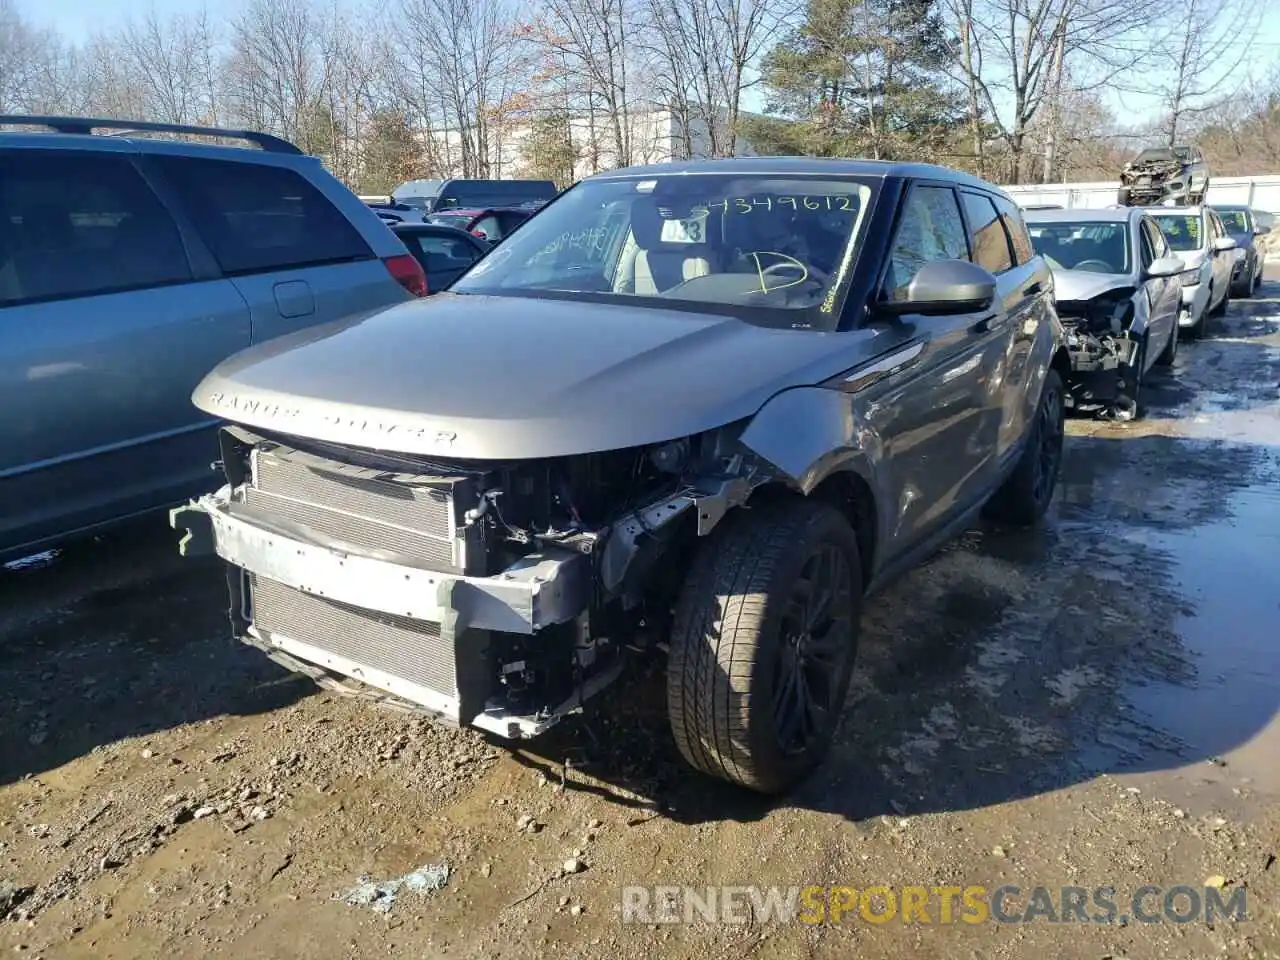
(1024, 497)
(763, 644)
(1122, 197)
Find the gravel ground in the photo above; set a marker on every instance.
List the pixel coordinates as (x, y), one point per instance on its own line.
(1093, 704)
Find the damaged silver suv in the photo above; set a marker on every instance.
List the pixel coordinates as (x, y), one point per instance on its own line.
(698, 409)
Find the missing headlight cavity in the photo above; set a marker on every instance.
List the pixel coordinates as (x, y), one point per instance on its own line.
(1103, 352)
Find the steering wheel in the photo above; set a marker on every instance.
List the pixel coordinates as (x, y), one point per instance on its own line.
(1096, 266)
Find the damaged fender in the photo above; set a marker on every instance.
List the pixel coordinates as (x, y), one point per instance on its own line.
(809, 433)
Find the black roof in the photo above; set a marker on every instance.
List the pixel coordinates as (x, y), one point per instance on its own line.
(800, 166)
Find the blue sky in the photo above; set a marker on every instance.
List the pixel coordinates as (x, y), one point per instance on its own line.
(76, 19)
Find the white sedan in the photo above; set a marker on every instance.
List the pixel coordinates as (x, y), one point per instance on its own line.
(1198, 237)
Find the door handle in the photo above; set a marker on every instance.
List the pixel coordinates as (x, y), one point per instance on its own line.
(985, 324)
(1032, 290)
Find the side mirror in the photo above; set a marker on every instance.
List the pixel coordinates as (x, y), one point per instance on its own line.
(1224, 243)
(1166, 267)
(943, 287)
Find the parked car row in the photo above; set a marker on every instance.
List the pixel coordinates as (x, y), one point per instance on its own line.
(433, 237)
(435, 196)
(487, 503)
(1131, 281)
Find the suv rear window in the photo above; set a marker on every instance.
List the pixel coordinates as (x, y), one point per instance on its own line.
(1014, 226)
(990, 243)
(74, 224)
(257, 218)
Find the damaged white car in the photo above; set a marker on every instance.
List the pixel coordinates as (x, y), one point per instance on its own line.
(1118, 288)
(1175, 175)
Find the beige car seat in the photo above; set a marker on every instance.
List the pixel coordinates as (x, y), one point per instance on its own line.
(661, 265)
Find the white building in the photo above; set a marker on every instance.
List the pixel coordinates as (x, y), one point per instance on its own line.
(656, 136)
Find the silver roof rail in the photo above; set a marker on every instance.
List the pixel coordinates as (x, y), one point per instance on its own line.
(87, 125)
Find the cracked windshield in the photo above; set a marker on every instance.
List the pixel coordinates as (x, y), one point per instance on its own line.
(741, 242)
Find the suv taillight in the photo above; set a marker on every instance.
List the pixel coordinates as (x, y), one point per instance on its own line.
(408, 273)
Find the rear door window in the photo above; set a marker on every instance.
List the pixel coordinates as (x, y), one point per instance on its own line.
(441, 253)
(488, 226)
(75, 224)
(1016, 228)
(991, 248)
(257, 218)
(511, 219)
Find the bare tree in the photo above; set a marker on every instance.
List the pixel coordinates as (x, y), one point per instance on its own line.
(592, 39)
(1010, 49)
(274, 73)
(353, 71)
(706, 48)
(37, 69)
(168, 63)
(461, 66)
(1205, 45)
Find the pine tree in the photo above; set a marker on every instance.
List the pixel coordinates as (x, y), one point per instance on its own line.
(861, 78)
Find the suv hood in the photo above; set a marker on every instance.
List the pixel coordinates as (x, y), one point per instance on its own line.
(1076, 285)
(481, 377)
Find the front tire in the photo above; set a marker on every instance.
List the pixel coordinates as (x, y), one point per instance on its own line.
(1130, 405)
(1024, 496)
(763, 644)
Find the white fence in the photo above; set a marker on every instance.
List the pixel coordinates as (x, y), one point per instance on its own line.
(1261, 193)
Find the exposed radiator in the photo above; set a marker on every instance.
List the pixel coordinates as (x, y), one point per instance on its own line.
(399, 646)
(414, 521)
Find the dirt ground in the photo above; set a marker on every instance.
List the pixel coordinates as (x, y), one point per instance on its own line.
(1093, 704)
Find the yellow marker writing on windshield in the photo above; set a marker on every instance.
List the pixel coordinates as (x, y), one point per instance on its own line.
(760, 270)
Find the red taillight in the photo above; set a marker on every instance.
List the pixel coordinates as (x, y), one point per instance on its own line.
(408, 273)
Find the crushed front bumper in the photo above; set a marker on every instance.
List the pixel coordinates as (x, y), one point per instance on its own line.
(1099, 367)
(432, 648)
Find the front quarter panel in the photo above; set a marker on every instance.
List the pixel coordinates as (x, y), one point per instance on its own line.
(808, 433)
(1046, 338)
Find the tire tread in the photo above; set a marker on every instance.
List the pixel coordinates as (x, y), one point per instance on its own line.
(719, 623)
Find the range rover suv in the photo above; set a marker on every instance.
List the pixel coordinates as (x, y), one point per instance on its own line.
(697, 410)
